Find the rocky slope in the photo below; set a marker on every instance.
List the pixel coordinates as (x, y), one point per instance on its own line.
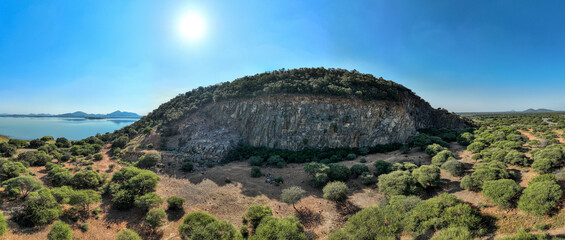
(294, 121)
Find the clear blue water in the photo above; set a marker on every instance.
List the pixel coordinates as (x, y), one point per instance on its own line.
(28, 128)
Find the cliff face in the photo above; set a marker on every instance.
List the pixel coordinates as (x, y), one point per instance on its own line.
(297, 121)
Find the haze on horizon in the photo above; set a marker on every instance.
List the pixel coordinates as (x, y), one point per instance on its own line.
(102, 56)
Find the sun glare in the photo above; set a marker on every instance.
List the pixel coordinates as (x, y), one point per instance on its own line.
(191, 26)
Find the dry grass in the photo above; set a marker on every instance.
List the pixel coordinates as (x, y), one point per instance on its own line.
(4, 138)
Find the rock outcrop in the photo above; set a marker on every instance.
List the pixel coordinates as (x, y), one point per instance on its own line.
(297, 121)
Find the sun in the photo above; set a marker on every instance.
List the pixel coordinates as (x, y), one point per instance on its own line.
(191, 26)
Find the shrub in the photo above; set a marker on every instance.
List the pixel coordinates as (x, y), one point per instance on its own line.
(351, 156)
(320, 179)
(255, 161)
(36, 143)
(3, 225)
(476, 147)
(84, 227)
(83, 198)
(217, 230)
(155, 217)
(187, 166)
(454, 167)
(41, 208)
(7, 150)
(175, 202)
(544, 177)
(544, 165)
(255, 213)
(336, 191)
(465, 138)
(442, 157)
(60, 231)
(485, 172)
(434, 149)
(279, 228)
(540, 197)
(193, 221)
(120, 142)
(123, 199)
(87, 180)
(523, 235)
(382, 167)
(369, 223)
(368, 178)
(276, 160)
(501, 192)
(127, 234)
(427, 176)
(148, 201)
(358, 169)
(256, 172)
(292, 195)
(338, 172)
(453, 233)
(148, 160)
(12, 169)
(21, 186)
(397, 183)
(98, 157)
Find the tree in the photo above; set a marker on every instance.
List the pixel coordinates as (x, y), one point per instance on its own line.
(123, 199)
(87, 180)
(148, 201)
(63, 142)
(382, 167)
(434, 149)
(279, 228)
(120, 142)
(155, 217)
(516, 158)
(83, 198)
(540, 197)
(217, 230)
(144, 182)
(3, 225)
(41, 208)
(193, 221)
(21, 186)
(336, 191)
(338, 172)
(502, 191)
(127, 234)
(454, 167)
(149, 159)
(12, 169)
(60, 231)
(312, 168)
(369, 223)
(453, 233)
(255, 213)
(397, 183)
(7, 150)
(358, 170)
(292, 195)
(442, 157)
(427, 176)
(175, 202)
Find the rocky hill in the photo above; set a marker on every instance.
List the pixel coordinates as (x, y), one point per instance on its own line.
(291, 109)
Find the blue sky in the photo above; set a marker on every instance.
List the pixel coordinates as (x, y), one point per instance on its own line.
(101, 56)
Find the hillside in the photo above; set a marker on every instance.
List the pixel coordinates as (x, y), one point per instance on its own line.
(290, 109)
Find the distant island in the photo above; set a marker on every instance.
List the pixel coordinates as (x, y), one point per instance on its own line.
(529, 110)
(79, 114)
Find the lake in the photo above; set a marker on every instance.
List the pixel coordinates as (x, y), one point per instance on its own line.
(28, 128)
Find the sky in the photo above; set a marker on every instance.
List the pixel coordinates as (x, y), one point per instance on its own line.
(100, 56)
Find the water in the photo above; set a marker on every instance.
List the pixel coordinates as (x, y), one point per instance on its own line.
(28, 128)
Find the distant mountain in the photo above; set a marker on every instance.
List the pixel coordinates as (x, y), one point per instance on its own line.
(80, 114)
(539, 110)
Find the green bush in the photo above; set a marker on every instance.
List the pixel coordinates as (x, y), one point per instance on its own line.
(485, 172)
(369, 223)
(434, 149)
(336, 191)
(3, 225)
(148, 201)
(502, 192)
(453, 233)
(540, 197)
(288, 228)
(382, 167)
(465, 138)
(368, 178)
(358, 169)
(87, 180)
(98, 157)
(195, 225)
(320, 180)
(454, 167)
(217, 230)
(292, 195)
(523, 235)
(149, 159)
(427, 176)
(397, 183)
(351, 156)
(60, 231)
(255, 161)
(256, 172)
(276, 160)
(120, 142)
(255, 213)
(544, 177)
(442, 157)
(7, 150)
(21, 186)
(127, 234)
(338, 172)
(155, 217)
(41, 208)
(544, 165)
(9, 169)
(476, 147)
(175, 203)
(187, 166)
